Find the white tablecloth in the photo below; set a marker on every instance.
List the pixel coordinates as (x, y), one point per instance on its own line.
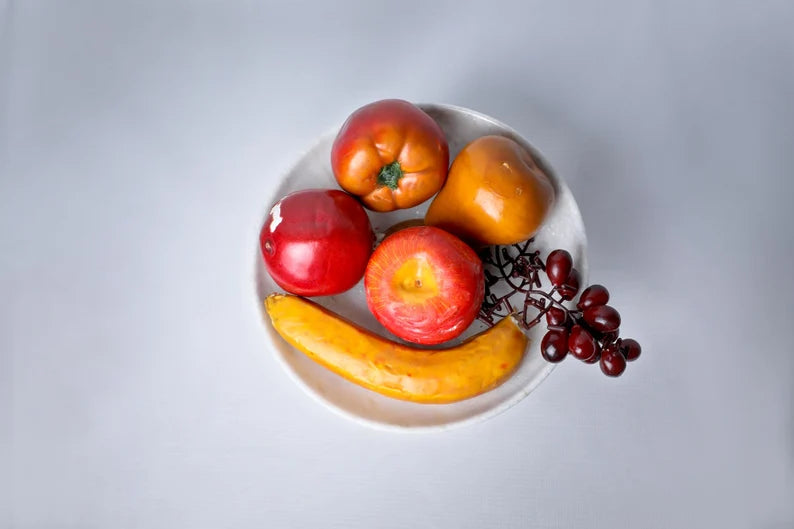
(139, 140)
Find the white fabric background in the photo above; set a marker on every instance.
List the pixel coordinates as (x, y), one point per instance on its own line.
(138, 142)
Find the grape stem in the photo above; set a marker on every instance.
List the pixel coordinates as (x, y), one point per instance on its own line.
(504, 265)
(501, 266)
(510, 262)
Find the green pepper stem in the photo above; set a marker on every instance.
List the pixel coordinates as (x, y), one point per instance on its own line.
(390, 174)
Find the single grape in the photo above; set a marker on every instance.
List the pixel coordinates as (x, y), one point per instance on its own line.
(602, 318)
(593, 296)
(569, 289)
(612, 362)
(558, 266)
(581, 343)
(556, 317)
(554, 346)
(630, 348)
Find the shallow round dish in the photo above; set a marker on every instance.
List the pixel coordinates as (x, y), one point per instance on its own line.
(563, 228)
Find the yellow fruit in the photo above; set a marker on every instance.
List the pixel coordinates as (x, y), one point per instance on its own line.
(392, 369)
(495, 194)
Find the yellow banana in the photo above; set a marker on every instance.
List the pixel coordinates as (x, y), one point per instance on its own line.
(392, 369)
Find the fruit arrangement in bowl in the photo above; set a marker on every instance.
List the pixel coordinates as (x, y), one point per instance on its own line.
(419, 268)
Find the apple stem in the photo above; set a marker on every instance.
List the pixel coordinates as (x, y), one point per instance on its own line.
(390, 174)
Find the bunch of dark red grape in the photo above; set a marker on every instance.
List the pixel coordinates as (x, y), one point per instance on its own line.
(589, 332)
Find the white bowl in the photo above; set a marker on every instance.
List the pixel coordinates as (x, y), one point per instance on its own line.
(563, 228)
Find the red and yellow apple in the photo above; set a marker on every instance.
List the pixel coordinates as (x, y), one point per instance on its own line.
(317, 242)
(424, 285)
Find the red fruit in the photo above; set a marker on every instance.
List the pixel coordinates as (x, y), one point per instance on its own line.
(602, 318)
(630, 348)
(391, 154)
(612, 362)
(596, 357)
(570, 287)
(316, 242)
(554, 346)
(558, 266)
(556, 317)
(593, 296)
(424, 285)
(581, 343)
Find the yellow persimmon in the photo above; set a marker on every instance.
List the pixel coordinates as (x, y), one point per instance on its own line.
(495, 193)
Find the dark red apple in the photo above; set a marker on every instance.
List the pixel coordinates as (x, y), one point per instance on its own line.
(424, 285)
(317, 242)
